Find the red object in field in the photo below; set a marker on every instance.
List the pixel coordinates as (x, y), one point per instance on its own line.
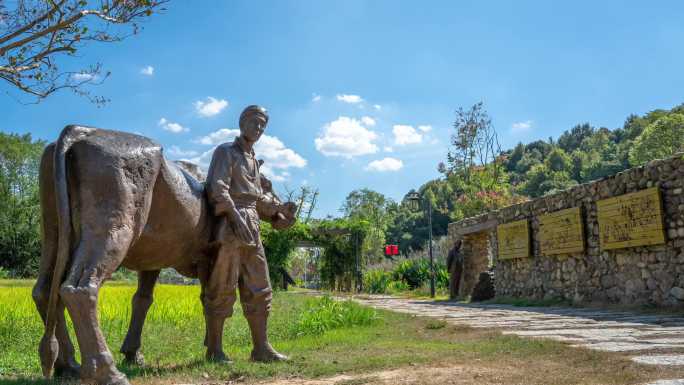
(391, 250)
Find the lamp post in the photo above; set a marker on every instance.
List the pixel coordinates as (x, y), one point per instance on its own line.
(416, 200)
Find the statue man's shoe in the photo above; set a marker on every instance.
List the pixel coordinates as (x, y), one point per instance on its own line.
(267, 354)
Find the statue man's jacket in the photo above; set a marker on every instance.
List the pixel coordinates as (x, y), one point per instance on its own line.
(234, 182)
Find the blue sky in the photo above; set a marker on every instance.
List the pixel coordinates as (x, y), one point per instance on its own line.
(363, 93)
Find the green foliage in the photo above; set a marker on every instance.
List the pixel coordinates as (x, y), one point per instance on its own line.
(487, 190)
(410, 274)
(123, 274)
(414, 272)
(279, 245)
(558, 160)
(374, 208)
(376, 281)
(397, 287)
(323, 314)
(571, 140)
(659, 139)
(441, 277)
(340, 239)
(541, 180)
(19, 204)
(585, 153)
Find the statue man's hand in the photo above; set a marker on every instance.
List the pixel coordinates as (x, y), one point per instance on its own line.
(241, 229)
(289, 209)
(285, 216)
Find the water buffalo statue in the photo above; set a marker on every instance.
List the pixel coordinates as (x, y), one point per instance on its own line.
(111, 199)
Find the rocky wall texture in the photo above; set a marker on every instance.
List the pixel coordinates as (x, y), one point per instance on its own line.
(635, 275)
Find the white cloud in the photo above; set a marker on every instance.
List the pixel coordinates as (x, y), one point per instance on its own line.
(353, 99)
(425, 128)
(147, 71)
(170, 126)
(277, 157)
(177, 151)
(220, 136)
(210, 107)
(203, 159)
(386, 164)
(388, 149)
(368, 121)
(520, 127)
(316, 98)
(346, 137)
(377, 107)
(83, 77)
(404, 135)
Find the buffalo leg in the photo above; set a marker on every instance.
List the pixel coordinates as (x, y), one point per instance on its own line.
(66, 365)
(142, 300)
(95, 259)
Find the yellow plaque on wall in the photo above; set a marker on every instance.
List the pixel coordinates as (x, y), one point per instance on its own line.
(513, 240)
(630, 220)
(561, 232)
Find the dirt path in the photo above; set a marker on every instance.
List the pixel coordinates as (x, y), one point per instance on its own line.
(649, 339)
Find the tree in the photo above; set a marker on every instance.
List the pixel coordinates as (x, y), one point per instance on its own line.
(541, 181)
(558, 160)
(474, 142)
(372, 207)
(515, 156)
(660, 139)
(36, 34)
(571, 140)
(19, 204)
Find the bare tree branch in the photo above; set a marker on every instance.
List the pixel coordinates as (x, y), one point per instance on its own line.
(36, 34)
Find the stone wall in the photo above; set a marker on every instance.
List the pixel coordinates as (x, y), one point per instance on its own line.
(636, 275)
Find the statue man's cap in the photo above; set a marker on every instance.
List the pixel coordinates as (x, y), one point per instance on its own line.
(253, 110)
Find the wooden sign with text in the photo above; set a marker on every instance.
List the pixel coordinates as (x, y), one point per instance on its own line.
(561, 232)
(630, 220)
(513, 240)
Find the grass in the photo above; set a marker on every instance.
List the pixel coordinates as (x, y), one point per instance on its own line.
(322, 337)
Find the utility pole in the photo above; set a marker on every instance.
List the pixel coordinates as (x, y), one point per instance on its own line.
(432, 260)
(358, 262)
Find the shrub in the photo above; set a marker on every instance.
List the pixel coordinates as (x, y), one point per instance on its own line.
(323, 314)
(376, 281)
(397, 287)
(414, 272)
(441, 277)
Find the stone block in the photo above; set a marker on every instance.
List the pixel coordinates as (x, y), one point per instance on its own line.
(677, 292)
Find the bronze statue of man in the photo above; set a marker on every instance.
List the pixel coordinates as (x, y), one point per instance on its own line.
(234, 190)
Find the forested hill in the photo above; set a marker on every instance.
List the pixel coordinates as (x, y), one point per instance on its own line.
(586, 153)
(581, 154)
